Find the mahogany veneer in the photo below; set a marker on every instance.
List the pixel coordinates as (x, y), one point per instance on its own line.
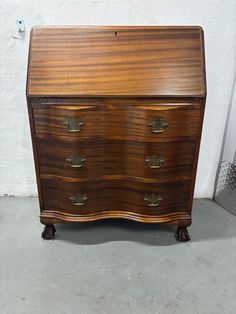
(116, 116)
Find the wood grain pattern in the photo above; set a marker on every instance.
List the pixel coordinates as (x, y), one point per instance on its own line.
(34, 147)
(117, 195)
(116, 61)
(116, 79)
(54, 216)
(106, 158)
(195, 161)
(128, 122)
(118, 102)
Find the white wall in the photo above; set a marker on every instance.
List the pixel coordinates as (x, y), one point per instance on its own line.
(217, 17)
(229, 148)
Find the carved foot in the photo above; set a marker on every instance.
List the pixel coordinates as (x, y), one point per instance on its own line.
(48, 232)
(182, 234)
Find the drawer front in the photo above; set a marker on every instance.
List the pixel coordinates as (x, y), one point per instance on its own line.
(112, 195)
(94, 159)
(140, 123)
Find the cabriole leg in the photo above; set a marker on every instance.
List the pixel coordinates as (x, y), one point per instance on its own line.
(182, 234)
(48, 232)
(182, 231)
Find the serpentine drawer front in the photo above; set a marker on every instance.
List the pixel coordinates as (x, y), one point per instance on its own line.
(114, 197)
(153, 123)
(116, 130)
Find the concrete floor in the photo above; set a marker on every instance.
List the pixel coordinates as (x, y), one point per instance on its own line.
(116, 267)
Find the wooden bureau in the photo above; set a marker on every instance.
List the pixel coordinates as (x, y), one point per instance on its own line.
(116, 116)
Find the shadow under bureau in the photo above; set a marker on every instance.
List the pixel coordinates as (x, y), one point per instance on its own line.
(116, 116)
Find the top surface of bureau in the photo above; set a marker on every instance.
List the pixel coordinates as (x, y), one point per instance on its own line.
(116, 61)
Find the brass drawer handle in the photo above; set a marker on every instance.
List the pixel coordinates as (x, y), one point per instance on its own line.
(73, 124)
(153, 199)
(76, 161)
(78, 199)
(158, 126)
(154, 161)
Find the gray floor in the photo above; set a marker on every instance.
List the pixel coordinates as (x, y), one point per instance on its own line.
(116, 266)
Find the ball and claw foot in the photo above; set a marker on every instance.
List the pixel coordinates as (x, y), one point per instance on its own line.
(48, 232)
(182, 234)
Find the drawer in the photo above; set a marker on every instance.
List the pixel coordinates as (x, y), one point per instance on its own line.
(94, 159)
(113, 195)
(130, 122)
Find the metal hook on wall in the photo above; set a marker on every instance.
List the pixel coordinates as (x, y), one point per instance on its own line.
(20, 28)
